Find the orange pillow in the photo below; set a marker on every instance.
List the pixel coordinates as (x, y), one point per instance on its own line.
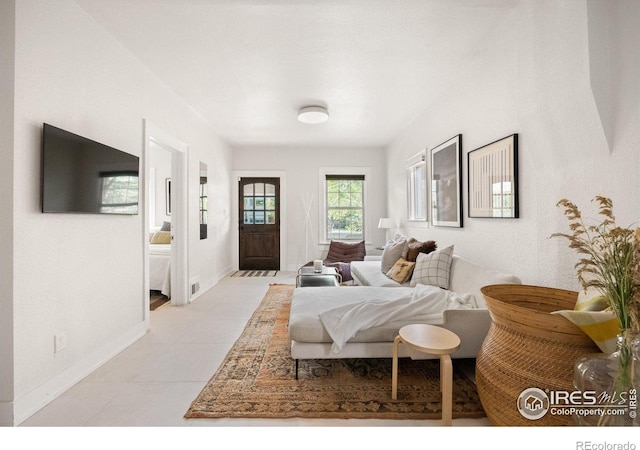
(401, 270)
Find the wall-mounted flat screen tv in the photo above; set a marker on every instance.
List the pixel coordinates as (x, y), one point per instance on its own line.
(83, 176)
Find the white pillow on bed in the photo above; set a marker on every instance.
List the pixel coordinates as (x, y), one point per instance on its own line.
(433, 268)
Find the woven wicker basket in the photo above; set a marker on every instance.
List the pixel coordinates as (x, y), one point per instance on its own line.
(527, 347)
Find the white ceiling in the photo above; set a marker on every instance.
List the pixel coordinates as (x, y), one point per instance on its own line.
(247, 66)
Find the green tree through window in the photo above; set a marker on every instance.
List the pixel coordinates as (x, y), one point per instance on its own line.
(345, 207)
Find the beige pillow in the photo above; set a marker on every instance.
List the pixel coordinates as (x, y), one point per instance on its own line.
(161, 237)
(401, 270)
(392, 252)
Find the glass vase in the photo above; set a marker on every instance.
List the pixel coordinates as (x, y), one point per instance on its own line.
(607, 385)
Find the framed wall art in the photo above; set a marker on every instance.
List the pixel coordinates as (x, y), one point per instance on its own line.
(493, 179)
(446, 183)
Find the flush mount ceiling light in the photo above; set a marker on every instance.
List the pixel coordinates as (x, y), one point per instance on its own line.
(313, 114)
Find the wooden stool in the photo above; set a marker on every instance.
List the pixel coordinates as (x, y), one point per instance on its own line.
(434, 340)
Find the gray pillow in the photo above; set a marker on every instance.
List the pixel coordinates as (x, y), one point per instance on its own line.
(392, 253)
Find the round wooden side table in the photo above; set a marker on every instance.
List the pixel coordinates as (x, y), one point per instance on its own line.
(433, 340)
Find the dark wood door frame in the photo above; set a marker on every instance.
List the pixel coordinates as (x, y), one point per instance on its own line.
(259, 223)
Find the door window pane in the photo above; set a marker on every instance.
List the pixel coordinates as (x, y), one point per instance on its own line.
(271, 217)
(270, 203)
(259, 203)
(270, 189)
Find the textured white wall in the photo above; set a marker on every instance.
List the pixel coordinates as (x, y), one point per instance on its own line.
(83, 274)
(533, 77)
(302, 166)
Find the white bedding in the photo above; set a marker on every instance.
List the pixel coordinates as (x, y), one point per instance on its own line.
(160, 268)
(425, 305)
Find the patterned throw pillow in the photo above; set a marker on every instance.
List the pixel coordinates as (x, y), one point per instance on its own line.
(401, 270)
(591, 315)
(433, 268)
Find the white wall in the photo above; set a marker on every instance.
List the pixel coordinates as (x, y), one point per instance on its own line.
(534, 77)
(7, 37)
(160, 161)
(301, 167)
(83, 274)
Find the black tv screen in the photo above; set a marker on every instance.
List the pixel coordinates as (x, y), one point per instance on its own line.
(83, 176)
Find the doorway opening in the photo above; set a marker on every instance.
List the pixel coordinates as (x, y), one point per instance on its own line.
(166, 199)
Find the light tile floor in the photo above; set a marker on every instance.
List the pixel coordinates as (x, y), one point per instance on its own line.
(153, 382)
(150, 385)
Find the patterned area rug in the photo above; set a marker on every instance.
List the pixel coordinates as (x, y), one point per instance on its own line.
(257, 380)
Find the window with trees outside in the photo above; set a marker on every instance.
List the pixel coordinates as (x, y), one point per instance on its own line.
(345, 207)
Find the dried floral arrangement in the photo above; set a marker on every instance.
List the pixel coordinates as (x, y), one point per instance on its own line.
(610, 259)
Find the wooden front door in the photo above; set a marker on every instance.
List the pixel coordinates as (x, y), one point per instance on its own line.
(259, 223)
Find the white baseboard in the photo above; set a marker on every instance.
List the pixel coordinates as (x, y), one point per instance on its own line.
(33, 401)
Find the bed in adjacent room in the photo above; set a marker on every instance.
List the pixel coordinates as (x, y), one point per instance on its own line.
(160, 262)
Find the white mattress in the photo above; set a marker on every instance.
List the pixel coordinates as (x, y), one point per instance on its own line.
(160, 268)
(160, 249)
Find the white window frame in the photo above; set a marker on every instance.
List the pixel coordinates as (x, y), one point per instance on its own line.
(322, 203)
(417, 162)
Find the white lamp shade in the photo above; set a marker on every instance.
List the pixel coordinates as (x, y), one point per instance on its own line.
(313, 114)
(385, 223)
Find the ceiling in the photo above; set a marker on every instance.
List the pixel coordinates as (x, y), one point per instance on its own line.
(247, 66)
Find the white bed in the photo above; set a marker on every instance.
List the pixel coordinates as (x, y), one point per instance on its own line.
(160, 268)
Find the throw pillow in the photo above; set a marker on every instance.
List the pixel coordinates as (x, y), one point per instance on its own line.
(401, 270)
(415, 247)
(433, 268)
(166, 226)
(392, 252)
(591, 299)
(161, 237)
(346, 251)
(592, 316)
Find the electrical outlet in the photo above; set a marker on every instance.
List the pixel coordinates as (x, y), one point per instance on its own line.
(59, 342)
